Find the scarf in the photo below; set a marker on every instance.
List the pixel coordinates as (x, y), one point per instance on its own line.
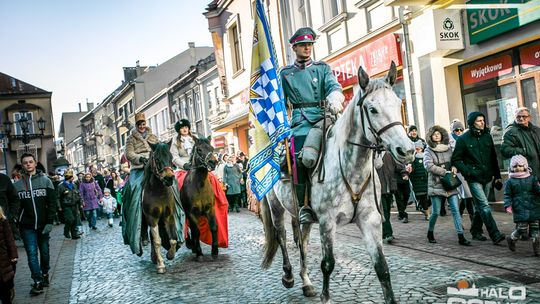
(186, 143)
(419, 155)
(440, 148)
(523, 174)
(69, 185)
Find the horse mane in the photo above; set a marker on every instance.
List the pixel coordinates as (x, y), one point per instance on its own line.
(161, 154)
(347, 120)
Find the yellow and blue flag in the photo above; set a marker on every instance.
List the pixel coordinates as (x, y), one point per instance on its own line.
(267, 109)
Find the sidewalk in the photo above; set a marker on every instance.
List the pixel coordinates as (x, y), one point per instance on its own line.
(62, 253)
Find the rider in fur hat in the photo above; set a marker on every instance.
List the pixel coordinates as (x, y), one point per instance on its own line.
(183, 144)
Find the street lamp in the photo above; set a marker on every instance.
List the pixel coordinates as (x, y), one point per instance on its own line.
(24, 124)
(5, 142)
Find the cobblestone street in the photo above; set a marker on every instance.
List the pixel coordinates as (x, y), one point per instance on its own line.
(100, 269)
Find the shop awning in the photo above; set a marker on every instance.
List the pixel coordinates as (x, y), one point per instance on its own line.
(232, 121)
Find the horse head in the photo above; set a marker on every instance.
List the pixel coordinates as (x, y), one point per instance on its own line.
(160, 162)
(380, 109)
(202, 155)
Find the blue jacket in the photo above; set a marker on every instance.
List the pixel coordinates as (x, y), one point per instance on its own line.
(523, 195)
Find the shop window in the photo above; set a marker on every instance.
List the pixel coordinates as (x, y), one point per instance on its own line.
(530, 98)
(330, 9)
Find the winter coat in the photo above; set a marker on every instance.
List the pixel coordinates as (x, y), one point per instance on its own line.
(523, 195)
(9, 200)
(419, 176)
(231, 177)
(523, 140)
(8, 251)
(438, 163)
(109, 204)
(475, 156)
(90, 194)
(388, 172)
(38, 201)
(67, 196)
(137, 147)
(179, 154)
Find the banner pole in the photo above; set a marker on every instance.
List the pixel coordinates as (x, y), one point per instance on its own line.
(294, 199)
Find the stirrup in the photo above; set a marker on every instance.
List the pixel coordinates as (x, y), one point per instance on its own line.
(307, 215)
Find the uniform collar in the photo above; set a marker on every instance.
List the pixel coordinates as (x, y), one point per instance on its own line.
(303, 64)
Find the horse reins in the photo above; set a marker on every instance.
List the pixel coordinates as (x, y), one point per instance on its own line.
(154, 166)
(203, 161)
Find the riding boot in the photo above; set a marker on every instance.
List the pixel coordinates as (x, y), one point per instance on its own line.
(306, 214)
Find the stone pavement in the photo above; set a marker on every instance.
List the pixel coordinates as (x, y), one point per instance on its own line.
(99, 269)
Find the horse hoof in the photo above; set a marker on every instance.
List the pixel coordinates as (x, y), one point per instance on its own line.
(214, 257)
(288, 283)
(161, 270)
(325, 299)
(309, 291)
(170, 255)
(215, 252)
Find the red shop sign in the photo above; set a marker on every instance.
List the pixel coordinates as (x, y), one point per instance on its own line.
(375, 58)
(530, 56)
(487, 69)
(219, 142)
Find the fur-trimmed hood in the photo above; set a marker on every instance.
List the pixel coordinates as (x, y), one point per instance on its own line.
(444, 134)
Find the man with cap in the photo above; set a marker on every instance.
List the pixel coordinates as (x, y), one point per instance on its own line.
(70, 201)
(522, 137)
(413, 135)
(183, 144)
(476, 159)
(137, 152)
(306, 85)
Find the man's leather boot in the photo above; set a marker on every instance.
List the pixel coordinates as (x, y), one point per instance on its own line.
(306, 214)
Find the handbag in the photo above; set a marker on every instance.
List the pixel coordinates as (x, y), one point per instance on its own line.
(450, 181)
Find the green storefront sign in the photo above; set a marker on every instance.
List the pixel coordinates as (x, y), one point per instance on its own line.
(487, 23)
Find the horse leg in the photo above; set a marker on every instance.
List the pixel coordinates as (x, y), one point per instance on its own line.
(156, 243)
(307, 286)
(170, 227)
(213, 229)
(195, 234)
(327, 231)
(144, 231)
(370, 228)
(281, 235)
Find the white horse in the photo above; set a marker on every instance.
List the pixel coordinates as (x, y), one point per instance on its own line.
(348, 194)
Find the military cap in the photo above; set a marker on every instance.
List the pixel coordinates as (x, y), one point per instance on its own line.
(303, 35)
(182, 123)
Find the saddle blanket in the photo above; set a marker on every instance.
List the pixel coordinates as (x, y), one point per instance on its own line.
(221, 207)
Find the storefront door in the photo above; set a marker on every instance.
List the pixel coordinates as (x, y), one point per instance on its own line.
(526, 87)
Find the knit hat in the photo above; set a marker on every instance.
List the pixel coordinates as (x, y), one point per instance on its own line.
(182, 123)
(472, 117)
(518, 160)
(106, 190)
(456, 124)
(418, 144)
(412, 127)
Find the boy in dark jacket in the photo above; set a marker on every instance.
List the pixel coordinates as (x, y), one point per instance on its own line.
(38, 207)
(70, 201)
(521, 198)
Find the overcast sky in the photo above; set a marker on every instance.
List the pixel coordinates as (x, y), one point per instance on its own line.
(76, 49)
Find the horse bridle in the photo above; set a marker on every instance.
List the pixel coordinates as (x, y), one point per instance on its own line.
(202, 161)
(157, 172)
(377, 147)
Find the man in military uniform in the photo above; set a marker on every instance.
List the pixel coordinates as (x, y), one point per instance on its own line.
(306, 84)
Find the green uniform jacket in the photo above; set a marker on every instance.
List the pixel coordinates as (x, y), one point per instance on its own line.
(523, 140)
(475, 157)
(310, 84)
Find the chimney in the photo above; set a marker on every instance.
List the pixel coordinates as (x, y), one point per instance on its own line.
(80, 107)
(137, 64)
(192, 52)
(89, 105)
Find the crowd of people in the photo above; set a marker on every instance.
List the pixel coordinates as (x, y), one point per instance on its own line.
(459, 169)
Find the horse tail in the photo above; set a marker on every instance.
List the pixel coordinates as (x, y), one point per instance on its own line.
(270, 235)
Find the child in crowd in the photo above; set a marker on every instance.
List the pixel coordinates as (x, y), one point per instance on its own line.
(521, 198)
(8, 260)
(419, 179)
(109, 205)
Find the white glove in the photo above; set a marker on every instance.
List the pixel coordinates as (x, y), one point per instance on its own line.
(335, 102)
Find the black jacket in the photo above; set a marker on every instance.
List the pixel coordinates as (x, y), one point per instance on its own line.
(9, 200)
(475, 156)
(38, 201)
(523, 140)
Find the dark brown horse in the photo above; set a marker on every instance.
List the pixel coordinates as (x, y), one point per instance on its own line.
(197, 195)
(159, 205)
